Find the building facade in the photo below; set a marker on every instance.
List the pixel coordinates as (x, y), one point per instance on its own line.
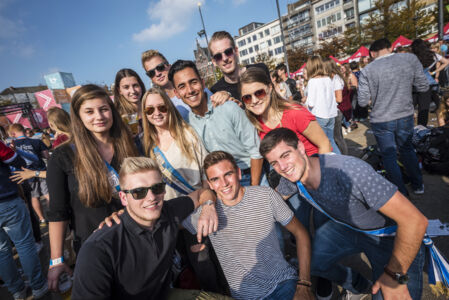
(203, 64)
(256, 39)
(298, 26)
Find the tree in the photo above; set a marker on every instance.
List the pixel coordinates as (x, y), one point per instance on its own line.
(412, 21)
(296, 58)
(336, 47)
(266, 59)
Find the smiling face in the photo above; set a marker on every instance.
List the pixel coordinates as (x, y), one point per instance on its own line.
(160, 78)
(145, 211)
(224, 179)
(227, 64)
(130, 89)
(190, 88)
(288, 161)
(157, 118)
(96, 115)
(256, 106)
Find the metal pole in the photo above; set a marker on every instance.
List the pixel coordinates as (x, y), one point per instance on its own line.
(440, 20)
(282, 37)
(207, 42)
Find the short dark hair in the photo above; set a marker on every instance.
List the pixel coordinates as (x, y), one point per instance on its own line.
(215, 157)
(281, 67)
(380, 44)
(275, 136)
(354, 65)
(180, 65)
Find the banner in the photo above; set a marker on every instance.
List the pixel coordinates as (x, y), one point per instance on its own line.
(46, 100)
(61, 96)
(18, 119)
(41, 117)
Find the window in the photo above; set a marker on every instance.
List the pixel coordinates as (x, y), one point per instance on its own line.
(248, 40)
(253, 60)
(347, 1)
(327, 6)
(275, 29)
(267, 32)
(263, 45)
(349, 13)
(261, 34)
(243, 52)
(278, 50)
(338, 16)
(318, 24)
(270, 53)
(277, 40)
(254, 37)
(350, 25)
(250, 49)
(256, 48)
(242, 43)
(245, 61)
(269, 43)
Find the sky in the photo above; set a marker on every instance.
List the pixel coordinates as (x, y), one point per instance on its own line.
(93, 39)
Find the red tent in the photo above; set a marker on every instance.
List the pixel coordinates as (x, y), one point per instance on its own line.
(363, 51)
(401, 41)
(334, 59)
(433, 39)
(299, 71)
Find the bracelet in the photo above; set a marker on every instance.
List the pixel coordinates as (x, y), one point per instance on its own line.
(304, 283)
(56, 261)
(208, 202)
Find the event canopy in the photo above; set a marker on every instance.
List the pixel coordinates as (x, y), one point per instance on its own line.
(299, 71)
(401, 41)
(334, 59)
(434, 38)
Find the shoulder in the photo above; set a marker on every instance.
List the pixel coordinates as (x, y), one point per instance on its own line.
(229, 107)
(218, 86)
(102, 239)
(62, 155)
(259, 192)
(296, 110)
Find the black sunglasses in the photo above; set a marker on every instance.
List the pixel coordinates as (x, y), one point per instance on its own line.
(160, 67)
(228, 52)
(141, 192)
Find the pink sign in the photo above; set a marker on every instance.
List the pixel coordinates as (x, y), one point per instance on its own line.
(46, 100)
(17, 118)
(41, 117)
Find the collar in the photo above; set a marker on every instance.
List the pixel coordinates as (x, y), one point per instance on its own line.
(21, 137)
(210, 110)
(130, 224)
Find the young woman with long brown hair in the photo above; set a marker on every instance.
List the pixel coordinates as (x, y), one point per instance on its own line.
(59, 122)
(82, 174)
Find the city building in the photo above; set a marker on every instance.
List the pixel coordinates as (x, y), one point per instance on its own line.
(256, 39)
(298, 26)
(203, 64)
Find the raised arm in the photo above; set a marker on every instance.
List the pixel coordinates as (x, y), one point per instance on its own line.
(208, 220)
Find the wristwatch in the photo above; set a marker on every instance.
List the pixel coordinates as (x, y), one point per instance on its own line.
(36, 173)
(399, 277)
(208, 202)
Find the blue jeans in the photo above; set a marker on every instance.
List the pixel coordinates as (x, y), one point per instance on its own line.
(328, 127)
(284, 290)
(334, 241)
(397, 135)
(15, 224)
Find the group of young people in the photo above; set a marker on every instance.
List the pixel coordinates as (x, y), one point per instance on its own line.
(179, 154)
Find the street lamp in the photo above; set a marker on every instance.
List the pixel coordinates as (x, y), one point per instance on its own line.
(203, 32)
(282, 37)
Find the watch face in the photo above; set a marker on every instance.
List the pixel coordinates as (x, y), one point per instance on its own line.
(403, 279)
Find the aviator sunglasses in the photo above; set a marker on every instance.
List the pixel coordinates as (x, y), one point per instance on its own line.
(141, 192)
(219, 56)
(160, 67)
(151, 109)
(260, 94)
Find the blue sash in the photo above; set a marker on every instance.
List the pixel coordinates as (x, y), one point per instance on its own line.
(170, 175)
(113, 177)
(438, 266)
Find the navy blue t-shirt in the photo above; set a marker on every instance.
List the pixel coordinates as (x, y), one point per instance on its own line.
(31, 151)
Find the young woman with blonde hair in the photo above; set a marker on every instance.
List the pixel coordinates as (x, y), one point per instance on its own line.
(59, 122)
(82, 174)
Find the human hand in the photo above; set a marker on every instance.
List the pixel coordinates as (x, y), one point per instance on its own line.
(53, 275)
(303, 292)
(219, 98)
(391, 289)
(207, 222)
(113, 218)
(21, 176)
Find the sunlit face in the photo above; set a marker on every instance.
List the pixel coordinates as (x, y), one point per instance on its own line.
(224, 179)
(189, 87)
(160, 78)
(158, 118)
(256, 106)
(96, 115)
(288, 161)
(227, 64)
(147, 210)
(130, 89)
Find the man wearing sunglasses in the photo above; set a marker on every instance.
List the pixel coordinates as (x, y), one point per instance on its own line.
(246, 242)
(133, 259)
(224, 127)
(225, 56)
(156, 67)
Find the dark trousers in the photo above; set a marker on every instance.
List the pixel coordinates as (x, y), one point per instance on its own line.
(422, 99)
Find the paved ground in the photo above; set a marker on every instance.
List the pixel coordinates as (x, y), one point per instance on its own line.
(434, 204)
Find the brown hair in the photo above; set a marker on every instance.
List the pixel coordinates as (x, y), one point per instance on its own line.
(90, 169)
(16, 127)
(220, 35)
(60, 119)
(215, 157)
(443, 109)
(149, 54)
(315, 67)
(277, 103)
(275, 136)
(124, 106)
(333, 70)
(176, 125)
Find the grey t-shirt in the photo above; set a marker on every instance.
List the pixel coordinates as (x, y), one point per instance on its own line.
(350, 191)
(246, 243)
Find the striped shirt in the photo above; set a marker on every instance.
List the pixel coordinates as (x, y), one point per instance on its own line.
(246, 243)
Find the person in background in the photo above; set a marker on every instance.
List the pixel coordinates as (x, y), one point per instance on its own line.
(82, 174)
(320, 98)
(128, 91)
(281, 69)
(280, 86)
(15, 226)
(59, 122)
(443, 111)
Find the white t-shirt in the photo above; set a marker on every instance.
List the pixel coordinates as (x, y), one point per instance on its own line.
(321, 98)
(338, 82)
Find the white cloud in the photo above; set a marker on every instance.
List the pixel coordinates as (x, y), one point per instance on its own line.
(168, 17)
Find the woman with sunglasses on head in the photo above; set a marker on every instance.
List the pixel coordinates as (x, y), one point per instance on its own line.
(179, 152)
(128, 91)
(82, 174)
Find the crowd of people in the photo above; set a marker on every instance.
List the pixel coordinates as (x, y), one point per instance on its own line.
(185, 192)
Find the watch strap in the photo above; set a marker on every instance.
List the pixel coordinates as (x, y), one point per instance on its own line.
(208, 202)
(56, 261)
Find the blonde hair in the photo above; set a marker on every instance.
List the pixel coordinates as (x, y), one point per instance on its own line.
(220, 35)
(315, 67)
(178, 128)
(443, 109)
(132, 165)
(60, 119)
(149, 54)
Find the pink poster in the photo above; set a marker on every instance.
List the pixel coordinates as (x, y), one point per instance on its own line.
(46, 100)
(17, 118)
(41, 117)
